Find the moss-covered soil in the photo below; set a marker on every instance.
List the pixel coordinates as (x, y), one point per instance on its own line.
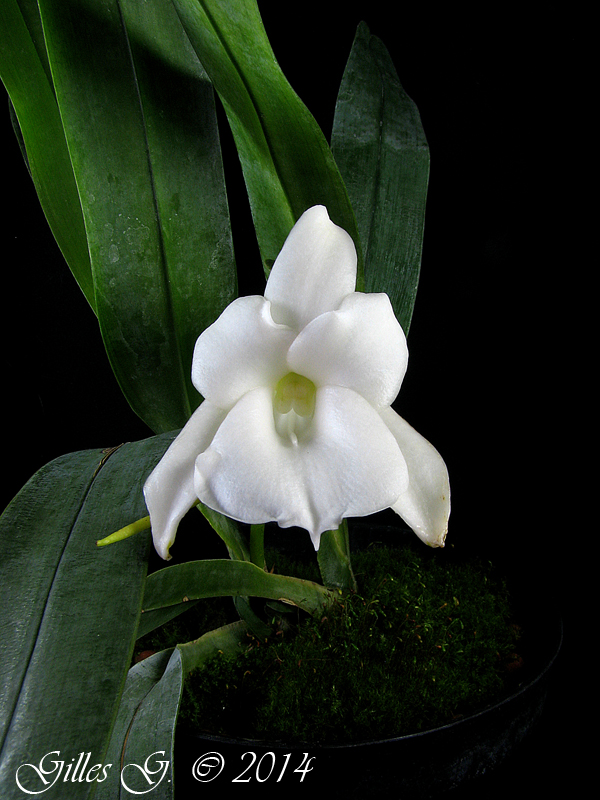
(418, 645)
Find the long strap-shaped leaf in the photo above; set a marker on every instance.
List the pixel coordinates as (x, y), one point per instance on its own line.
(220, 577)
(144, 727)
(140, 123)
(380, 147)
(148, 711)
(286, 160)
(26, 76)
(70, 610)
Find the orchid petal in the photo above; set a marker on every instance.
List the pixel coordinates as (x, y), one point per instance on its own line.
(360, 346)
(314, 271)
(243, 349)
(425, 505)
(347, 464)
(169, 490)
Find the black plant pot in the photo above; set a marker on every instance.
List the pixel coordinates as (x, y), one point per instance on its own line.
(421, 765)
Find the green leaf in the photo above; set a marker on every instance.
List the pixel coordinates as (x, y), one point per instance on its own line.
(26, 76)
(148, 711)
(70, 609)
(380, 147)
(139, 118)
(145, 725)
(220, 577)
(226, 640)
(160, 616)
(238, 549)
(288, 166)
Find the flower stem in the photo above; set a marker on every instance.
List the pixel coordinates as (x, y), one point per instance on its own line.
(257, 545)
(334, 559)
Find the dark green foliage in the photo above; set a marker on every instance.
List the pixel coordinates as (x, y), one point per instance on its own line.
(419, 645)
(203, 616)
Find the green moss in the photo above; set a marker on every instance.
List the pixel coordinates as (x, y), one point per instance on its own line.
(419, 645)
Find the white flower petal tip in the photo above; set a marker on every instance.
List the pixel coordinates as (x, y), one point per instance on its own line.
(296, 426)
(425, 505)
(316, 540)
(433, 540)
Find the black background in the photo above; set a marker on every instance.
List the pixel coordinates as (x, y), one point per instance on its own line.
(501, 100)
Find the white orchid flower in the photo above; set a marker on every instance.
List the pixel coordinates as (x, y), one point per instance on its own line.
(296, 425)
